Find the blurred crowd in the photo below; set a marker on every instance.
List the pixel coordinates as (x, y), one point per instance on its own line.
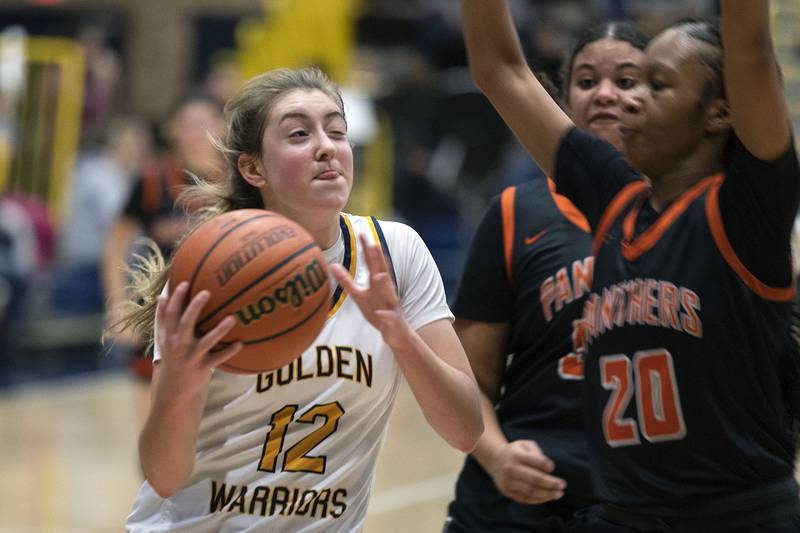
(451, 154)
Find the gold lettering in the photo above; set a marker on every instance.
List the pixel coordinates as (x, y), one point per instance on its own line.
(260, 495)
(363, 368)
(342, 361)
(328, 354)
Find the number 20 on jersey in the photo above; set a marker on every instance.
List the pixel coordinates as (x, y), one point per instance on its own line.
(649, 379)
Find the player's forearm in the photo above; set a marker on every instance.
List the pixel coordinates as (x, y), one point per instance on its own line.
(448, 397)
(113, 262)
(752, 82)
(493, 47)
(745, 26)
(500, 70)
(492, 439)
(168, 439)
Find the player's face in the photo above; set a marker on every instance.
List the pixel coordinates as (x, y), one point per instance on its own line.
(664, 122)
(306, 156)
(602, 72)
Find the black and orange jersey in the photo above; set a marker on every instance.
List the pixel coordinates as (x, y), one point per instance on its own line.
(153, 202)
(686, 325)
(529, 266)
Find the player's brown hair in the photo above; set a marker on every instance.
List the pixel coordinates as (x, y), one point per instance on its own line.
(247, 114)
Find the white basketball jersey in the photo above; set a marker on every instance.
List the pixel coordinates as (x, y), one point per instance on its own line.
(295, 449)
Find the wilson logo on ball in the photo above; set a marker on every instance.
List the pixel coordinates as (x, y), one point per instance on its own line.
(267, 272)
(293, 292)
(254, 244)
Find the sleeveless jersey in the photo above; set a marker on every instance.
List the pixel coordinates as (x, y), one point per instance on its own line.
(686, 415)
(295, 449)
(529, 265)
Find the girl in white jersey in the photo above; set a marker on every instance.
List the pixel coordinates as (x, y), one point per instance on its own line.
(295, 449)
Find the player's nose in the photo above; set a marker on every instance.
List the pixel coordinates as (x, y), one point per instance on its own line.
(326, 148)
(632, 101)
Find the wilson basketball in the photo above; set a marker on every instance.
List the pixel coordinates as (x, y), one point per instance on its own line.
(267, 272)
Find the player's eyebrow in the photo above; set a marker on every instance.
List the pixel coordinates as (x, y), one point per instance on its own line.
(300, 115)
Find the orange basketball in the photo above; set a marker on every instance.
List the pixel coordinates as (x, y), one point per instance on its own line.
(267, 272)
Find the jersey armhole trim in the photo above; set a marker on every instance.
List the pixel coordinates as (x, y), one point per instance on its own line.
(349, 261)
(567, 208)
(618, 203)
(767, 292)
(380, 240)
(507, 214)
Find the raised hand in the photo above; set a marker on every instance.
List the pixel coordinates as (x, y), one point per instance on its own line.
(522, 473)
(378, 301)
(185, 357)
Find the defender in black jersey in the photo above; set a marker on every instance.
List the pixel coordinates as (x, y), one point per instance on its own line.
(529, 270)
(687, 327)
(527, 275)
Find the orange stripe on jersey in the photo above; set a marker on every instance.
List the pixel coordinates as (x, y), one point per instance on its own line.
(567, 208)
(507, 212)
(619, 202)
(767, 292)
(632, 247)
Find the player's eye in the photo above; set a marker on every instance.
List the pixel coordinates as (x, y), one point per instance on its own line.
(627, 83)
(298, 133)
(656, 84)
(585, 83)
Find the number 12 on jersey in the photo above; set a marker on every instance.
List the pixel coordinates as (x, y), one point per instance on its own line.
(650, 378)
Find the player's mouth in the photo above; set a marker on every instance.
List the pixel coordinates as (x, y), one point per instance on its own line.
(604, 118)
(325, 175)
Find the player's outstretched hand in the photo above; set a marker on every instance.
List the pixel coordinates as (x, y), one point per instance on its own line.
(523, 473)
(184, 356)
(378, 301)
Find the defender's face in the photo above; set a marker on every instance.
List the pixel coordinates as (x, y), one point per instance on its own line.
(663, 120)
(306, 156)
(602, 72)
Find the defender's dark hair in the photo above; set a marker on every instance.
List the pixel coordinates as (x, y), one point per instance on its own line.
(707, 30)
(618, 31)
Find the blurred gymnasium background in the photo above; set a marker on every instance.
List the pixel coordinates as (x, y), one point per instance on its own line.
(85, 89)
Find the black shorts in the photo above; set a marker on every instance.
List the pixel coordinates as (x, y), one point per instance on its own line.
(790, 524)
(497, 514)
(608, 524)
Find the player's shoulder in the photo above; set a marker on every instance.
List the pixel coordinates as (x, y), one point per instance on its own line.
(391, 229)
(528, 203)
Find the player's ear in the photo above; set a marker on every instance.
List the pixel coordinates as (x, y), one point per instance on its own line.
(251, 170)
(718, 116)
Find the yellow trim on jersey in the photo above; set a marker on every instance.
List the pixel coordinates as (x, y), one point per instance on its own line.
(352, 267)
(374, 232)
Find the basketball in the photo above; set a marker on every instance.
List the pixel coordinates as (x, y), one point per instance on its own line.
(267, 272)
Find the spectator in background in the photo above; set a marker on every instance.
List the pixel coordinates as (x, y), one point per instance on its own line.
(103, 76)
(150, 209)
(20, 256)
(101, 185)
(224, 77)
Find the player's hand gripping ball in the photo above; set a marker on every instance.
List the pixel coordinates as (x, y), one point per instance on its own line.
(267, 272)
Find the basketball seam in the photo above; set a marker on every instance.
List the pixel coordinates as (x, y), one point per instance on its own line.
(215, 243)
